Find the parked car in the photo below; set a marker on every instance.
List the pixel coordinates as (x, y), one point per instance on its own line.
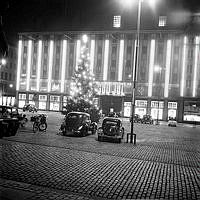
(111, 130)
(78, 124)
(136, 118)
(172, 122)
(147, 119)
(30, 108)
(113, 114)
(9, 122)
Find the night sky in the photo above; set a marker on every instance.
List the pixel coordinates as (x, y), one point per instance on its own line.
(59, 15)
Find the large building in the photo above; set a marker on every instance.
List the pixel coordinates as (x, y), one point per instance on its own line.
(168, 75)
(8, 77)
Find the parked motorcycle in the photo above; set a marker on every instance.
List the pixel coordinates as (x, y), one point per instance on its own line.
(22, 120)
(39, 123)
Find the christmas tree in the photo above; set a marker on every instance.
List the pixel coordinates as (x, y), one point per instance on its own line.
(83, 88)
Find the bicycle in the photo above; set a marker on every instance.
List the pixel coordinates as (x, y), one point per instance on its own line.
(40, 123)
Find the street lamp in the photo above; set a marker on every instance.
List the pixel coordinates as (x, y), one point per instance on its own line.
(2, 62)
(158, 69)
(152, 2)
(135, 65)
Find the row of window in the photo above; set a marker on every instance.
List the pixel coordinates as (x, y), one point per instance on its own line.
(155, 104)
(138, 103)
(7, 76)
(162, 21)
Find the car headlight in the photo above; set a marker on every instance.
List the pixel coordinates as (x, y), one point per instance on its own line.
(100, 130)
(80, 128)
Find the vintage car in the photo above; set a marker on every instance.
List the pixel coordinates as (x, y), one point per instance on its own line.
(111, 130)
(9, 122)
(147, 119)
(172, 122)
(78, 124)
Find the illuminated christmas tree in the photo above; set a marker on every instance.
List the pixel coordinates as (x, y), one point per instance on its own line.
(83, 88)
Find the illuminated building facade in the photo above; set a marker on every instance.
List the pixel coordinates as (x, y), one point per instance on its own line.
(46, 62)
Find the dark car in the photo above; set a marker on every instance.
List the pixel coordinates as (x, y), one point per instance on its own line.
(30, 108)
(136, 118)
(9, 122)
(111, 130)
(172, 122)
(113, 114)
(147, 119)
(78, 124)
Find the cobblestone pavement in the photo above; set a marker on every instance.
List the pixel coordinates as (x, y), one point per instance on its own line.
(164, 164)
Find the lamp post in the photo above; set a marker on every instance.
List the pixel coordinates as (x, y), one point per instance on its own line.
(135, 65)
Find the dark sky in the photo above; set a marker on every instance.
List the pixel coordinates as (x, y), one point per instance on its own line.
(58, 15)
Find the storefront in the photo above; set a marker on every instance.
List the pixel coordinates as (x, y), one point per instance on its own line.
(54, 103)
(43, 102)
(172, 110)
(141, 107)
(157, 109)
(22, 100)
(191, 111)
(127, 109)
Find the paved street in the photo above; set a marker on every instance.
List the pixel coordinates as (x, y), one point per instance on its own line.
(164, 164)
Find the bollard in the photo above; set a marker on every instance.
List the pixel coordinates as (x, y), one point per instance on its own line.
(129, 135)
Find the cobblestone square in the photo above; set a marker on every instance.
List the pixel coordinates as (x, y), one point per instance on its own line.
(164, 164)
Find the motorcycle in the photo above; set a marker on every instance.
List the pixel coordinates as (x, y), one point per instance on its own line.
(22, 120)
(39, 123)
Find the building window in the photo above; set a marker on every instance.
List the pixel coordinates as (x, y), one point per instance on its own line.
(10, 76)
(30, 96)
(172, 105)
(2, 75)
(6, 76)
(141, 103)
(188, 83)
(144, 49)
(22, 96)
(112, 76)
(162, 21)
(42, 97)
(117, 21)
(25, 49)
(154, 104)
(189, 68)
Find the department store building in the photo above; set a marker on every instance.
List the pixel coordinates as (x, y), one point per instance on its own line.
(168, 74)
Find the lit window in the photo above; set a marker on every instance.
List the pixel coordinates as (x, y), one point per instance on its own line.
(162, 21)
(117, 21)
(172, 105)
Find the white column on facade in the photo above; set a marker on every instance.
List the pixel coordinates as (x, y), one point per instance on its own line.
(121, 58)
(39, 59)
(64, 50)
(183, 67)
(195, 66)
(92, 52)
(19, 62)
(78, 53)
(29, 65)
(167, 71)
(50, 65)
(105, 64)
(151, 67)
(134, 54)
